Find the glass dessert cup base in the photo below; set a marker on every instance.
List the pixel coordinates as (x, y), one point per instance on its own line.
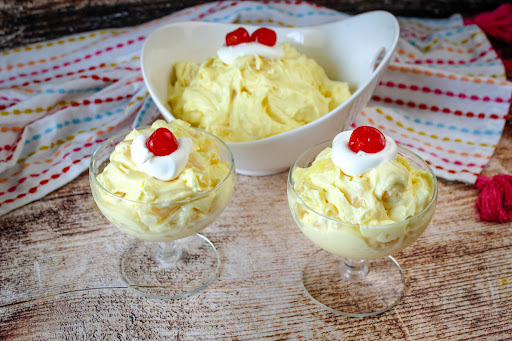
(350, 287)
(168, 270)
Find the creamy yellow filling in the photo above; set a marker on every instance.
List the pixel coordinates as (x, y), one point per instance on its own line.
(204, 169)
(254, 97)
(165, 210)
(392, 192)
(382, 206)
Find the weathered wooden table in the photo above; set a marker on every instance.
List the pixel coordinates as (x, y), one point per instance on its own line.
(58, 276)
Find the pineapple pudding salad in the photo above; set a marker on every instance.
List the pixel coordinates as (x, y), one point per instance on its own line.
(254, 88)
(160, 182)
(362, 181)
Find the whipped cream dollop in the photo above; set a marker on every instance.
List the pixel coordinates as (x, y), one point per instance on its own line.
(166, 167)
(355, 164)
(228, 54)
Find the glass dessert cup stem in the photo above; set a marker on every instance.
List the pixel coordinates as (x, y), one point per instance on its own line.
(168, 270)
(353, 269)
(353, 287)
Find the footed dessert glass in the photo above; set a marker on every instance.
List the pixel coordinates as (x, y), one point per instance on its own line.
(168, 259)
(353, 274)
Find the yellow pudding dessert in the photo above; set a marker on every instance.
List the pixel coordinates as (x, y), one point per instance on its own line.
(365, 216)
(253, 96)
(153, 209)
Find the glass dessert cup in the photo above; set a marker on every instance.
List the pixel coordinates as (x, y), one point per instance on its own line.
(353, 274)
(168, 258)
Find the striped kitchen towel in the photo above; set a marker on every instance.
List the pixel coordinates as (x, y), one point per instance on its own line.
(444, 95)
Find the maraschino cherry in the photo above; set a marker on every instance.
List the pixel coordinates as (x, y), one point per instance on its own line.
(162, 142)
(238, 36)
(367, 139)
(263, 35)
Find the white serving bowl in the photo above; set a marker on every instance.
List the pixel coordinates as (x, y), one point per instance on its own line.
(348, 50)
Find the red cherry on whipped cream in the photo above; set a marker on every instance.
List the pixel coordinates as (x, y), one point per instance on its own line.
(238, 36)
(367, 139)
(264, 36)
(162, 142)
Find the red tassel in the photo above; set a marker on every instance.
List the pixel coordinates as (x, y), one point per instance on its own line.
(494, 203)
(506, 63)
(497, 24)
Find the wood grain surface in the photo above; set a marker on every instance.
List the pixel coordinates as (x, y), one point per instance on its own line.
(58, 278)
(30, 21)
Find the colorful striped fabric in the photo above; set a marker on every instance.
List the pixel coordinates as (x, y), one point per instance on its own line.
(444, 95)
